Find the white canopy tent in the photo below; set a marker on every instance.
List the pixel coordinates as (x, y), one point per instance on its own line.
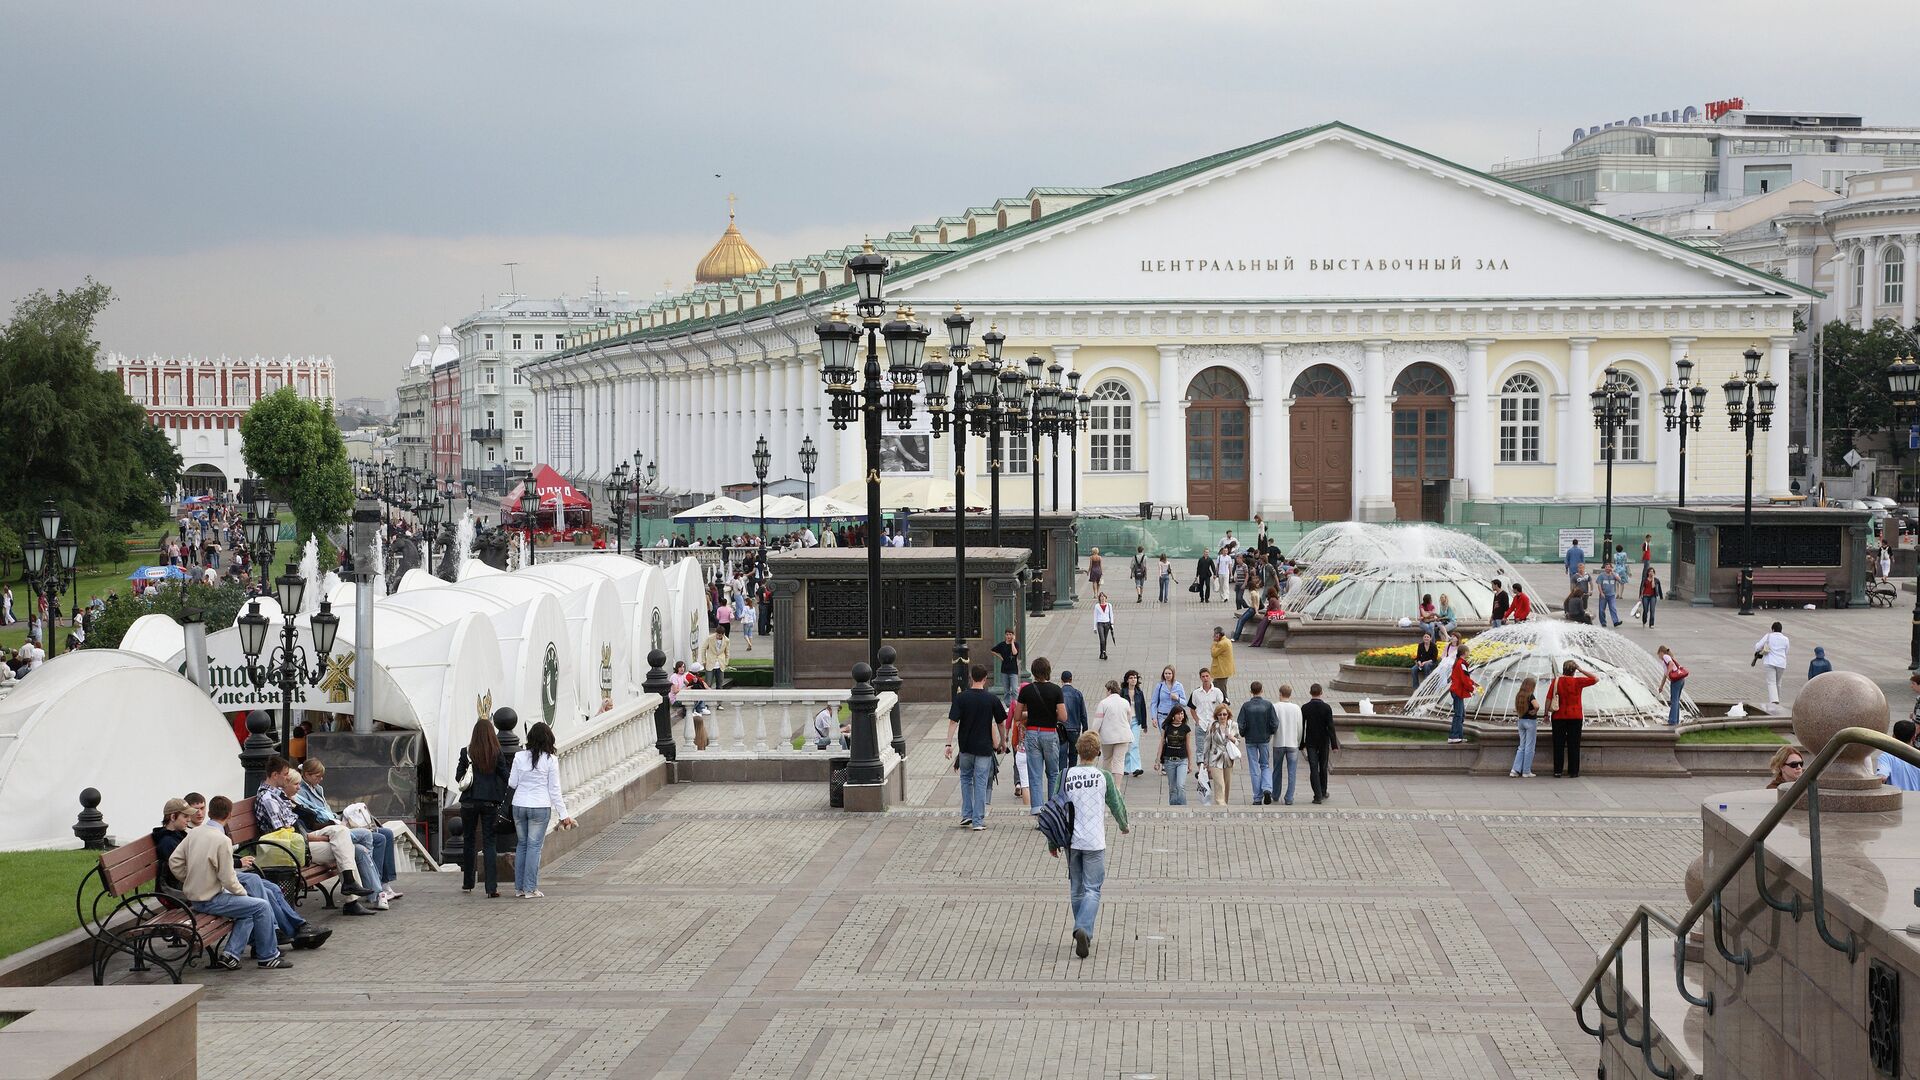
(688, 591)
(156, 637)
(915, 493)
(591, 603)
(113, 720)
(720, 509)
(417, 578)
(527, 631)
(642, 588)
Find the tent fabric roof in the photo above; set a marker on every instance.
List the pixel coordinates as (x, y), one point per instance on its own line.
(553, 490)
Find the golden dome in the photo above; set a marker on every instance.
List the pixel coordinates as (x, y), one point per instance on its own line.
(732, 257)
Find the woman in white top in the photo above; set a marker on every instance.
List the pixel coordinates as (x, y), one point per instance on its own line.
(1113, 722)
(1103, 622)
(535, 781)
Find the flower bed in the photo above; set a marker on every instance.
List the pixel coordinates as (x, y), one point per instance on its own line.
(1401, 656)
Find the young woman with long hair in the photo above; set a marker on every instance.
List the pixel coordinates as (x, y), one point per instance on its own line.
(536, 800)
(480, 803)
(1526, 712)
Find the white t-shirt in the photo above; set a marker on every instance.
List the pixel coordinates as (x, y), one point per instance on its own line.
(1087, 790)
(1292, 721)
(1204, 701)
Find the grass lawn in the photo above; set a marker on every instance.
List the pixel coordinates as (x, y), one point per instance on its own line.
(1403, 735)
(1725, 736)
(39, 886)
(754, 661)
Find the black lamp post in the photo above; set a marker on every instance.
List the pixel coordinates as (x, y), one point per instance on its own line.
(762, 460)
(1683, 406)
(1038, 403)
(431, 512)
(1903, 378)
(990, 416)
(959, 326)
(1749, 406)
(529, 510)
(809, 460)
(617, 494)
(1611, 409)
(287, 666)
(50, 566)
(874, 398)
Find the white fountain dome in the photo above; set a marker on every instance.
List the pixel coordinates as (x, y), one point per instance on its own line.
(1389, 592)
(1631, 691)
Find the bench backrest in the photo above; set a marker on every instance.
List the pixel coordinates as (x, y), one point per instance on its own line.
(130, 866)
(1790, 577)
(242, 826)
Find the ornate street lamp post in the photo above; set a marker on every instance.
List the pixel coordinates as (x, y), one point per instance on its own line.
(1081, 404)
(1903, 378)
(1683, 406)
(529, 510)
(617, 494)
(964, 375)
(1039, 403)
(762, 460)
(1749, 406)
(874, 398)
(1611, 409)
(431, 512)
(287, 667)
(809, 460)
(49, 567)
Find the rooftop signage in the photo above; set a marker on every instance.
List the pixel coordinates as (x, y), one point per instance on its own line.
(1686, 114)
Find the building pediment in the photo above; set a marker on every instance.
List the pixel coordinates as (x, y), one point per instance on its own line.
(1332, 215)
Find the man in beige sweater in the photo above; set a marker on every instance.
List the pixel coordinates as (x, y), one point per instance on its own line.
(204, 865)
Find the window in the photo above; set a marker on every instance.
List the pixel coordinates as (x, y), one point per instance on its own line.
(488, 338)
(519, 379)
(491, 456)
(519, 420)
(489, 422)
(1892, 274)
(240, 387)
(1859, 279)
(516, 343)
(539, 342)
(519, 453)
(1520, 419)
(1627, 448)
(486, 376)
(1110, 420)
(208, 394)
(1018, 457)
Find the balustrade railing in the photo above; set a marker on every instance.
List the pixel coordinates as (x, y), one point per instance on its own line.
(766, 721)
(617, 747)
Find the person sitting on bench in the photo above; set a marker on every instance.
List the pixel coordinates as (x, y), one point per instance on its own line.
(203, 864)
(312, 798)
(179, 815)
(332, 845)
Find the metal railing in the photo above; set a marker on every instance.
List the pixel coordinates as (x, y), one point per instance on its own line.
(1754, 851)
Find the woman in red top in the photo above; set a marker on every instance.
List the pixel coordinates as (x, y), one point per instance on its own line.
(1522, 607)
(1563, 705)
(1460, 688)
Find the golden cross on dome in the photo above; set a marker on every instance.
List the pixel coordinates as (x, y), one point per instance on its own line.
(730, 201)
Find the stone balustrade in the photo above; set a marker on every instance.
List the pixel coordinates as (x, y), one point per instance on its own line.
(760, 722)
(617, 748)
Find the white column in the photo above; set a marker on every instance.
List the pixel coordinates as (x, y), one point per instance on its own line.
(1465, 438)
(674, 456)
(1780, 371)
(1272, 433)
(1477, 431)
(1376, 497)
(1576, 427)
(1362, 465)
(783, 427)
(1910, 245)
(1167, 483)
(1562, 463)
(1666, 469)
(707, 435)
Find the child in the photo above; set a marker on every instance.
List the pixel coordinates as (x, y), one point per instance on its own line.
(1091, 790)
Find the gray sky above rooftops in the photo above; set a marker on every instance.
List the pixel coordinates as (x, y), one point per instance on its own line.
(341, 178)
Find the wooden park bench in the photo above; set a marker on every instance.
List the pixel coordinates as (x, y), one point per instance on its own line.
(1795, 587)
(131, 912)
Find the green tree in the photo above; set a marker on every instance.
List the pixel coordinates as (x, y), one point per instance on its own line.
(1857, 404)
(72, 434)
(294, 446)
(219, 604)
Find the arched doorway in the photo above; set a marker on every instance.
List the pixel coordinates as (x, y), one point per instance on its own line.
(1321, 421)
(203, 479)
(1217, 446)
(1422, 442)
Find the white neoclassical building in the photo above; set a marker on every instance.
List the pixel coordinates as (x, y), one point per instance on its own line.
(1309, 327)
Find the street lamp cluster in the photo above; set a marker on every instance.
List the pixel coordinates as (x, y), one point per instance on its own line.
(287, 666)
(1612, 409)
(622, 499)
(1683, 406)
(1749, 407)
(50, 563)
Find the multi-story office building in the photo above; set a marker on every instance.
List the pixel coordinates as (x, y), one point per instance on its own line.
(199, 400)
(1644, 164)
(415, 395)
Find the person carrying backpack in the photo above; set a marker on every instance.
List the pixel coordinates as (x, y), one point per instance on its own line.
(1139, 575)
(1076, 820)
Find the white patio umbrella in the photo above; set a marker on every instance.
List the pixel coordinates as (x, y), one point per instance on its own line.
(720, 509)
(898, 493)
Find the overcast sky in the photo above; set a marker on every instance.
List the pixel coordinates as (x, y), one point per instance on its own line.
(339, 178)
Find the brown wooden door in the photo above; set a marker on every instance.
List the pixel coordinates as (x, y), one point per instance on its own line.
(1321, 419)
(1218, 442)
(1422, 439)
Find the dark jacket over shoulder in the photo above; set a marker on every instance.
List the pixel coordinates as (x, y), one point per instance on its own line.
(487, 787)
(1318, 733)
(1258, 721)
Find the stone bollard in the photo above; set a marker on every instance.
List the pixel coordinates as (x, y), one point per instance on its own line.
(1827, 704)
(256, 751)
(885, 679)
(660, 684)
(865, 767)
(91, 827)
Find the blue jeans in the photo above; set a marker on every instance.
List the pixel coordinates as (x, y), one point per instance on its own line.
(1529, 735)
(1458, 729)
(530, 823)
(380, 841)
(1421, 669)
(1069, 749)
(285, 919)
(1009, 683)
(1043, 763)
(1164, 582)
(1132, 764)
(1609, 612)
(364, 862)
(1246, 616)
(252, 923)
(1647, 604)
(1674, 689)
(1259, 769)
(1176, 781)
(976, 772)
(1291, 755)
(1086, 873)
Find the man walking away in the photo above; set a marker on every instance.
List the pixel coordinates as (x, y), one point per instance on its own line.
(1286, 736)
(1576, 558)
(1075, 724)
(1092, 793)
(1258, 723)
(1563, 705)
(977, 721)
(1318, 739)
(1771, 652)
(1046, 709)
(1140, 575)
(1009, 654)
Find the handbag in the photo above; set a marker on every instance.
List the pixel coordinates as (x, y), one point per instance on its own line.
(1678, 673)
(1194, 587)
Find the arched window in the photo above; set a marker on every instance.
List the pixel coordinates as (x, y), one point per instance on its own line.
(1893, 274)
(1860, 283)
(1627, 448)
(1520, 419)
(1110, 422)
